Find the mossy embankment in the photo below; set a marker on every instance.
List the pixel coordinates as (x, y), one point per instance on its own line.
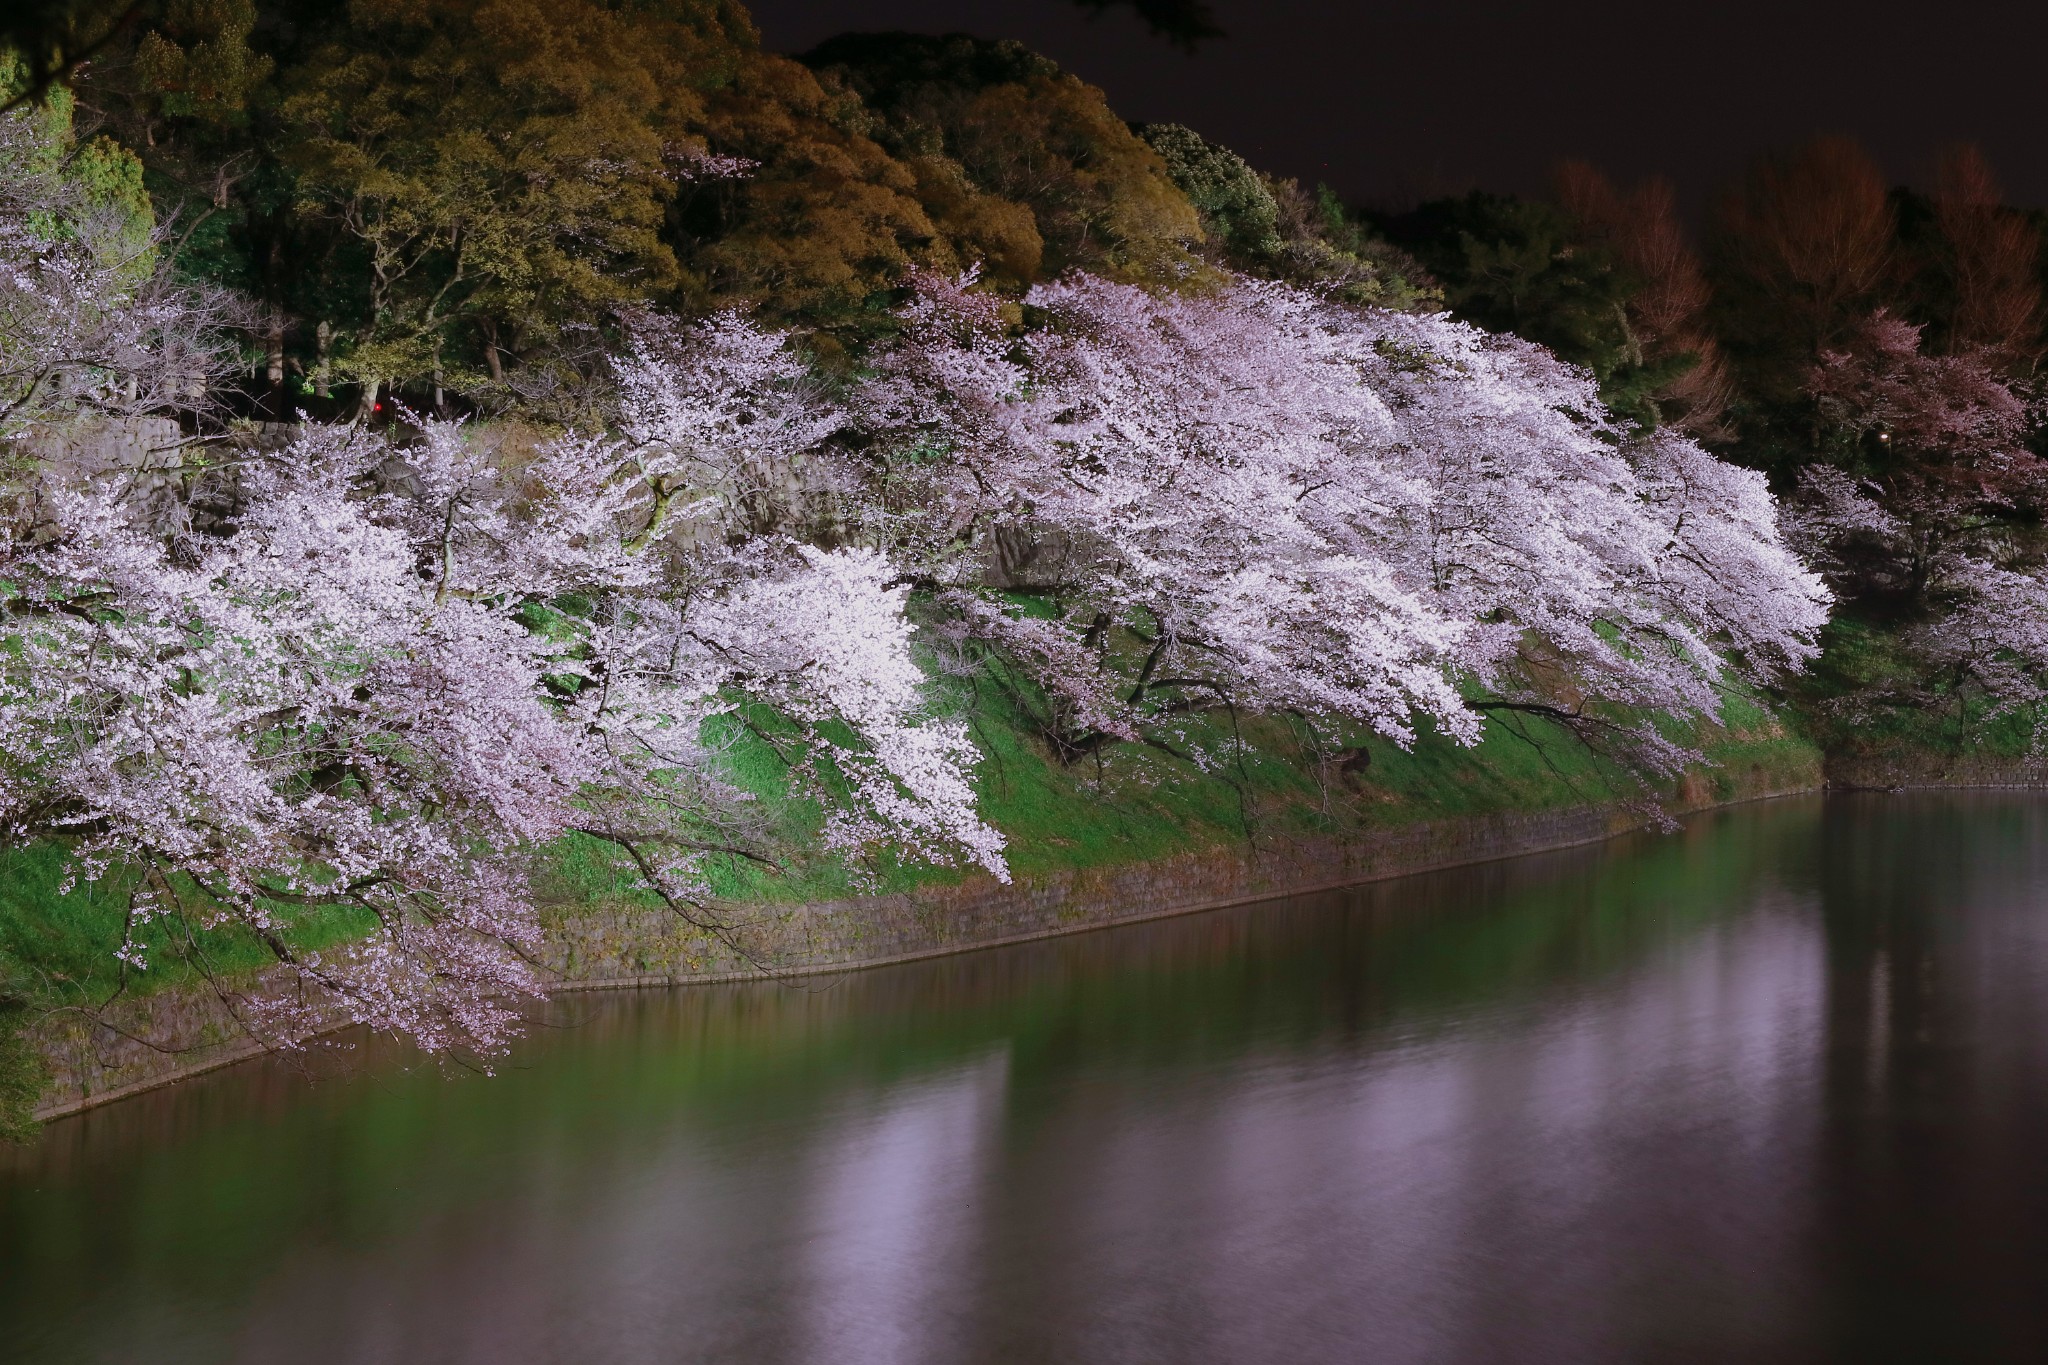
(1227, 781)
(1885, 719)
(1128, 805)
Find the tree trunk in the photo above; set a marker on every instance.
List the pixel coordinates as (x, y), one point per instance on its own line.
(489, 328)
(323, 339)
(273, 370)
(274, 319)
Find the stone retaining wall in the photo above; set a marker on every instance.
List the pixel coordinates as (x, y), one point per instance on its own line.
(1863, 772)
(190, 1030)
(633, 946)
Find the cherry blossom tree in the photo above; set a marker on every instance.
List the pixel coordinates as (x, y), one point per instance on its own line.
(1938, 440)
(336, 696)
(1992, 641)
(1256, 499)
(1936, 407)
(91, 320)
(725, 406)
(1918, 520)
(1840, 524)
(1643, 564)
(404, 667)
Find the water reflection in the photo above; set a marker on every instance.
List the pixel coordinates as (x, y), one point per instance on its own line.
(1769, 1089)
(892, 1216)
(1933, 1197)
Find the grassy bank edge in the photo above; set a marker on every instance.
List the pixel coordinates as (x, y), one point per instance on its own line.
(1444, 788)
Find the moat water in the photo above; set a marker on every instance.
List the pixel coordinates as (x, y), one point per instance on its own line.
(1774, 1088)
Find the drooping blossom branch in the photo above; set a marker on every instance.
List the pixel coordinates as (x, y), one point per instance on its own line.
(407, 666)
(1258, 499)
(92, 322)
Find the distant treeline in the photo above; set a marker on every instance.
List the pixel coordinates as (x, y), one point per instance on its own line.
(458, 201)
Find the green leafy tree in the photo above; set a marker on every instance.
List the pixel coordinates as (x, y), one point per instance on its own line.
(824, 223)
(48, 42)
(1238, 211)
(501, 171)
(1274, 227)
(106, 177)
(1016, 127)
(194, 66)
(1523, 266)
(1668, 297)
(183, 88)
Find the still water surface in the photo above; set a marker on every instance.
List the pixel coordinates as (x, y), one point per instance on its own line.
(1771, 1089)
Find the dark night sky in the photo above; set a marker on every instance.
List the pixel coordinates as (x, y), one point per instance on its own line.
(1390, 102)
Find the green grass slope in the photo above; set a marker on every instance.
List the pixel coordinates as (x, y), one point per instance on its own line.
(1131, 804)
